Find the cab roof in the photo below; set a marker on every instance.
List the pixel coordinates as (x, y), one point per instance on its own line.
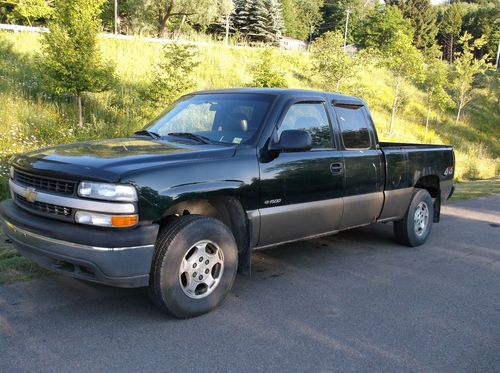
(333, 96)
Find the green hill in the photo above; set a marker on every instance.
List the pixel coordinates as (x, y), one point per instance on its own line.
(30, 117)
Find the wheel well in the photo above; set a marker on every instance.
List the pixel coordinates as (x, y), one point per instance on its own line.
(431, 184)
(226, 209)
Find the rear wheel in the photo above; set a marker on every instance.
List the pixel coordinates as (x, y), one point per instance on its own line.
(415, 227)
(194, 266)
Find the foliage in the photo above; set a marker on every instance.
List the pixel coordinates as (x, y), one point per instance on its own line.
(484, 21)
(29, 11)
(259, 20)
(423, 17)
(466, 69)
(266, 74)
(301, 17)
(335, 14)
(330, 61)
(172, 74)
(450, 26)
(436, 78)
(382, 27)
(71, 59)
(404, 60)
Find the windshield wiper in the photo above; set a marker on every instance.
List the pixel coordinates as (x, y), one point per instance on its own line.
(151, 134)
(191, 136)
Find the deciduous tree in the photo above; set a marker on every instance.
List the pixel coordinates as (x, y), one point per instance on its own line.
(466, 70)
(330, 61)
(405, 62)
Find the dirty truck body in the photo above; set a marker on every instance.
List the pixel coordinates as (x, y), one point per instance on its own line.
(180, 205)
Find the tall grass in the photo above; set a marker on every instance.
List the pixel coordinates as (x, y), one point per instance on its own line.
(31, 117)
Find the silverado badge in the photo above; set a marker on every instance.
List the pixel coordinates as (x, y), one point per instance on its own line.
(30, 194)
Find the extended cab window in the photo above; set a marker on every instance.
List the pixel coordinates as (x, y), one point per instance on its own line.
(312, 118)
(353, 126)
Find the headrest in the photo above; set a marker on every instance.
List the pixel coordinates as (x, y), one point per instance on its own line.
(236, 122)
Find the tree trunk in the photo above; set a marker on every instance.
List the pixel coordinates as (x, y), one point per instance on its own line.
(458, 112)
(79, 109)
(427, 119)
(337, 87)
(163, 17)
(396, 92)
(450, 51)
(226, 39)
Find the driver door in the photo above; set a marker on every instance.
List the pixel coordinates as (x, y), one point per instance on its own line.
(302, 192)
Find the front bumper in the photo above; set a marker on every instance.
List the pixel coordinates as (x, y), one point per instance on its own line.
(118, 257)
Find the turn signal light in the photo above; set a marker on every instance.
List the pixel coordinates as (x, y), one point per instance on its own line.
(123, 220)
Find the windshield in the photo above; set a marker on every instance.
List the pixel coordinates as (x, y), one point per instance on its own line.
(231, 118)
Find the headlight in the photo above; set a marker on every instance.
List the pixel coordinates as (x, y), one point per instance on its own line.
(11, 172)
(109, 192)
(105, 220)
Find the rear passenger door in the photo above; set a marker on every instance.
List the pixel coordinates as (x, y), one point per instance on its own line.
(301, 192)
(364, 167)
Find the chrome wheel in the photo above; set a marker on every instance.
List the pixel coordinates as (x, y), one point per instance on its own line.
(201, 269)
(421, 218)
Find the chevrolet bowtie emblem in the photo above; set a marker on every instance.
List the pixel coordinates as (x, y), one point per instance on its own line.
(30, 194)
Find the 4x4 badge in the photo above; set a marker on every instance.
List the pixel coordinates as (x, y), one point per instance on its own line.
(30, 194)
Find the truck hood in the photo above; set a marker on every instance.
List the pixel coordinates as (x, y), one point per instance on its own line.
(110, 160)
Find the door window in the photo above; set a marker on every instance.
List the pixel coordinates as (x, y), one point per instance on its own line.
(312, 118)
(354, 127)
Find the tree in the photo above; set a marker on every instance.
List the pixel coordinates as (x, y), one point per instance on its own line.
(423, 17)
(335, 13)
(29, 10)
(466, 69)
(172, 74)
(259, 20)
(383, 26)
(330, 61)
(301, 17)
(450, 26)
(265, 72)
(226, 8)
(483, 20)
(436, 78)
(405, 61)
(70, 53)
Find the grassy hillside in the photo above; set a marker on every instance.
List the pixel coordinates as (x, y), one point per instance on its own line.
(30, 117)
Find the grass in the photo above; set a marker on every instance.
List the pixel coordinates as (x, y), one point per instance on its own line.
(31, 117)
(475, 189)
(13, 266)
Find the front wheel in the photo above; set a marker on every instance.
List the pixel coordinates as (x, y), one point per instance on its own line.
(415, 227)
(194, 266)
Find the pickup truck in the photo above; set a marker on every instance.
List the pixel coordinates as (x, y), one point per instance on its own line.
(179, 206)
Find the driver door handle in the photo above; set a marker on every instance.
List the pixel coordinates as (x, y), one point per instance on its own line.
(336, 168)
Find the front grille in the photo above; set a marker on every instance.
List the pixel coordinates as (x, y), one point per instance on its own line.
(43, 207)
(44, 183)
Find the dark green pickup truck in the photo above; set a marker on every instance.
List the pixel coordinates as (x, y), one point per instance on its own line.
(180, 205)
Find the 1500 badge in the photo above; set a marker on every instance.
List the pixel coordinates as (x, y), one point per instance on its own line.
(272, 201)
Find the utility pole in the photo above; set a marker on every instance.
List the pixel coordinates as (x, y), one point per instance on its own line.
(116, 17)
(348, 11)
(498, 54)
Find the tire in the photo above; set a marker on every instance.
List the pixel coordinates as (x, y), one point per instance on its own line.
(407, 231)
(194, 266)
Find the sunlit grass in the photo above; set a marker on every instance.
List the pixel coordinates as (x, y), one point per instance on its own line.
(29, 112)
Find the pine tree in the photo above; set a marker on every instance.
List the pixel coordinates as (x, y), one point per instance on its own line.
(451, 24)
(423, 17)
(71, 58)
(259, 20)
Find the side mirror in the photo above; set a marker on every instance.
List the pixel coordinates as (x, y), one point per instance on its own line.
(293, 141)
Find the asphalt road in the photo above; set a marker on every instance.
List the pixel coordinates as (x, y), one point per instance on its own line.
(351, 302)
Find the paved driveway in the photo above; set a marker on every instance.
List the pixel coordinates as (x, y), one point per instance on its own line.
(351, 302)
